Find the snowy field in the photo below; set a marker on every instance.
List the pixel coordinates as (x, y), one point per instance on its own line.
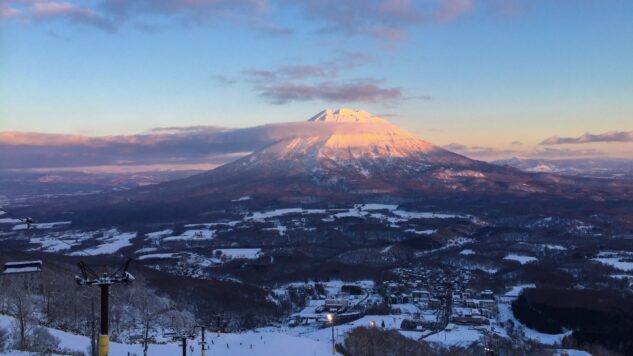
(253, 343)
(622, 261)
(235, 253)
(520, 258)
(616, 263)
(57, 238)
(192, 235)
(111, 242)
(157, 256)
(41, 226)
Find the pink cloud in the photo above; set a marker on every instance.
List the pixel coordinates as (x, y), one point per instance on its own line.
(386, 19)
(325, 69)
(451, 10)
(383, 19)
(48, 9)
(367, 91)
(613, 136)
(54, 10)
(291, 82)
(7, 12)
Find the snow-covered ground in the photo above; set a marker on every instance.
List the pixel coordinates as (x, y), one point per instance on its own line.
(422, 232)
(252, 343)
(192, 235)
(428, 215)
(520, 258)
(616, 263)
(374, 206)
(457, 335)
(233, 253)
(245, 198)
(111, 242)
(505, 314)
(158, 234)
(41, 226)
(554, 247)
(157, 256)
(310, 339)
(263, 215)
(619, 260)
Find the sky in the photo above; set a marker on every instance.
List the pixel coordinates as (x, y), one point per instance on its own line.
(496, 77)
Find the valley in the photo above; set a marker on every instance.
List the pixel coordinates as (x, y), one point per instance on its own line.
(348, 222)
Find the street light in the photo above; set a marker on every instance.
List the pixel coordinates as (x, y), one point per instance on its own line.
(372, 324)
(330, 318)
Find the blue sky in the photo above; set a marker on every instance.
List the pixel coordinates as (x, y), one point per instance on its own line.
(476, 72)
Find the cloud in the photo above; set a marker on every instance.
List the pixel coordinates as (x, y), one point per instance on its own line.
(387, 20)
(249, 13)
(613, 136)
(382, 19)
(330, 68)
(374, 17)
(298, 82)
(36, 11)
(491, 154)
(7, 12)
(222, 79)
(146, 15)
(451, 10)
(53, 10)
(192, 9)
(421, 97)
(479, 152)
(165, 146)
(507, 8)
(455, 147)
(367, 91)
(173, 145)
(547, 152)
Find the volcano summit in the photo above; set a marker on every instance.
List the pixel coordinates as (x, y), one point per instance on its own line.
(337, 156)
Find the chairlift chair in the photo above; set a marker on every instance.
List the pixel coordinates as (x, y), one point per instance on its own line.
(170, 334)
(22, 267)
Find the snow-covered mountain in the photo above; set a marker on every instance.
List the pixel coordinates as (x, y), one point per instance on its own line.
(342, 137)
(336, 156)
(347, 115)
(339, 152)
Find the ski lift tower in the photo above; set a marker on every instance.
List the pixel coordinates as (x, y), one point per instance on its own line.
(104, 281)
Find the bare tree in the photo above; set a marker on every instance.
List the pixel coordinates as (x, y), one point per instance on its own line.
(21, 306)
(4, 339)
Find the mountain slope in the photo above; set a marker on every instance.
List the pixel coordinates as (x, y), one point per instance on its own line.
(338, 156)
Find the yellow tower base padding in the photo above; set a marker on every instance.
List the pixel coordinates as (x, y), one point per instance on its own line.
(104, 345)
